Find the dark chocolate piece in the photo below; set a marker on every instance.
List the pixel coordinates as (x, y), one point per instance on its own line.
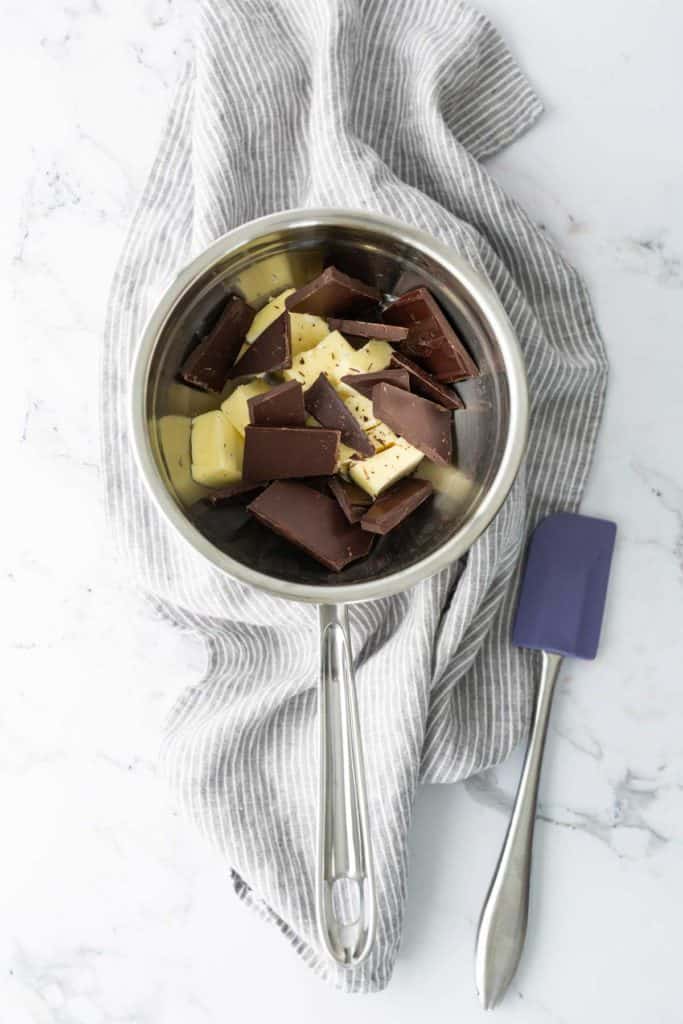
(234, 493)
(368, 265)
(395, 505)
(422, 423)
(363, 383)
(363, 329)
(426, 384)
(319, 483)
(283, 406)
(312, 521)
(369, 313)
(325, 405)
(353, 501)
(272, 350)
(331, 292)
(208, 365)
(221, 524)
(277, 453)
(431, 338)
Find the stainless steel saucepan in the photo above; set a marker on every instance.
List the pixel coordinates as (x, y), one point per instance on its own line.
(261, 259)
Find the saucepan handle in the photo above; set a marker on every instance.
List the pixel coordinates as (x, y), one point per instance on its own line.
(345, 890)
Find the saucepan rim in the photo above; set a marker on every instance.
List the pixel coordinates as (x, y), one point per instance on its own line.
(490, 309)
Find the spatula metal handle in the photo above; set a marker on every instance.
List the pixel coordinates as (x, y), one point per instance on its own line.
(502, 927)
(345, 888)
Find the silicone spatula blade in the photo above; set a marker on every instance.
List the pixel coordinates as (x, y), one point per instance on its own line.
(559, 612)
(562, 598)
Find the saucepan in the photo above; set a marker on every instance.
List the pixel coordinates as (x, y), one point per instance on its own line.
(261, 259)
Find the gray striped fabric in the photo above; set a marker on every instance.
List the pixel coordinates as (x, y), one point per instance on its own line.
(389, 107)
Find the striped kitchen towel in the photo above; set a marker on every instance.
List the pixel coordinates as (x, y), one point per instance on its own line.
(390, 107)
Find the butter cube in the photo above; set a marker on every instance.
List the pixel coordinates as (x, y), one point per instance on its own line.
(331, 356)
(281, 270)
(382, 436)
(306, 330)
(385, 468)
(235, 406)
(174, 441)
(217, 450)
(361, 408)
(270, 312)
(345, 458)
(263, 280)
(373, 356)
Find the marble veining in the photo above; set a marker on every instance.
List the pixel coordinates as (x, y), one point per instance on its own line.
(112, 910)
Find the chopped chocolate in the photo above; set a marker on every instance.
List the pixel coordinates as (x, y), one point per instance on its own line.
(282, 406)
(365, 382)
(353, 501)
(363, 329)
(424, 424)
(431, 338)
(221, 524)
(208, 365)
(318, 483)
(395, 505)
(425, 384)
(368, 265)
(369, 313)
(325, 405)
(331, 292)
(276, 453)
(272, 350)
(312, 521)
(324, 469)
(234, 493)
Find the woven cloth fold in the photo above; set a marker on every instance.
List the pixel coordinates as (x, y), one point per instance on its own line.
(387, 107)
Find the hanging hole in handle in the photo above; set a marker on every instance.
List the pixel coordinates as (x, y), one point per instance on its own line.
(346, 901)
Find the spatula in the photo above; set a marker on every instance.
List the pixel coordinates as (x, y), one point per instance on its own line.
(559, 613)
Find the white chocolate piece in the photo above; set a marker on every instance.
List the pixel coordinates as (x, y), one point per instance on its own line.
(330, 356)
(361, 408)
(235, 406)
(306, 330)
(217, 450)
(270, 312)
(385, 468)
(174, 441)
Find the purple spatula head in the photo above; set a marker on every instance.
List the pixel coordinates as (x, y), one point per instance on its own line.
(563, 591)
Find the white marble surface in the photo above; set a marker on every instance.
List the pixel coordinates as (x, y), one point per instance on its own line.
(111, 911)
